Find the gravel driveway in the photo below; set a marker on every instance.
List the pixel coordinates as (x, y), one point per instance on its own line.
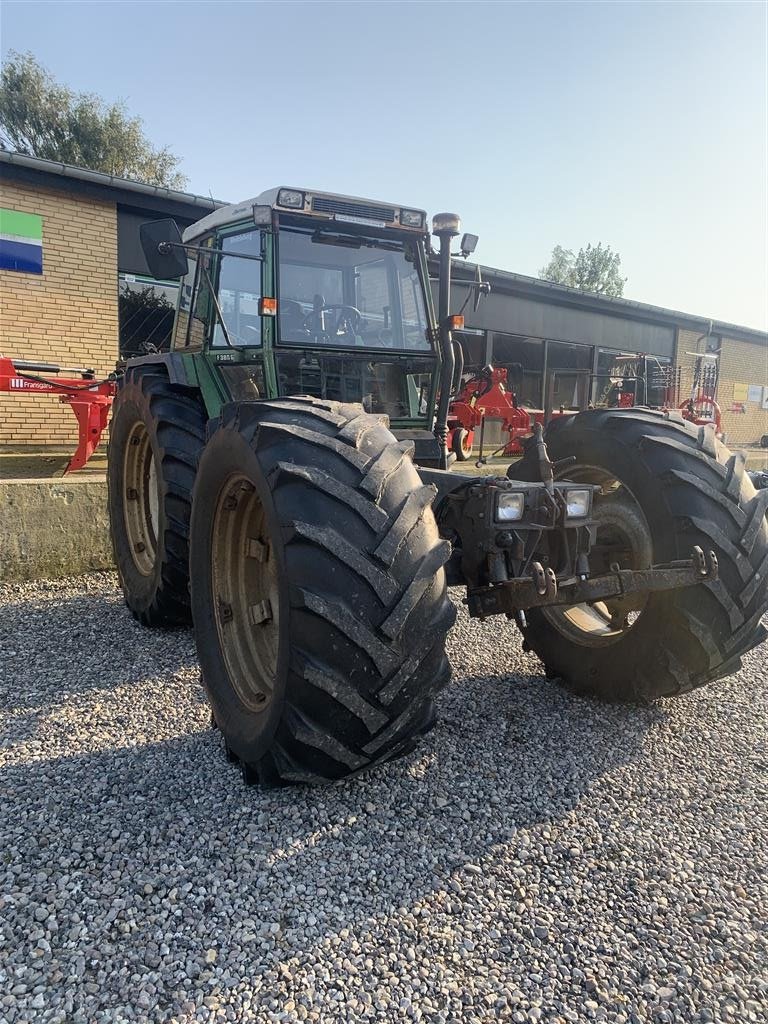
(539, 858)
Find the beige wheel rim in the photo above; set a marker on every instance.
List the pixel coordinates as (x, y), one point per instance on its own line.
(141, 499)
(245, 593)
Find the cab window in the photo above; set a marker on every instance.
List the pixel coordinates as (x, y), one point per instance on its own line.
(239, 290)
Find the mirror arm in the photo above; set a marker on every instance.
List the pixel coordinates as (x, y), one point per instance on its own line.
(164, 249)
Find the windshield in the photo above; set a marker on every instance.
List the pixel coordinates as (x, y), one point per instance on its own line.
(346, 291)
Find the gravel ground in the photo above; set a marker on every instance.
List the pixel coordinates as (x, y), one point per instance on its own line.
(539, 858)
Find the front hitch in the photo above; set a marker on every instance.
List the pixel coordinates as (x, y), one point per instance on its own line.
(541, 588)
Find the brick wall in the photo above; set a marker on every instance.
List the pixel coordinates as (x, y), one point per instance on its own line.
(66, 315)
(741, 363)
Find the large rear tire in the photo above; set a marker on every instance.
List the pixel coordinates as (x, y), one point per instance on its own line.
(666, 486)
(156, 436)
(318, 590)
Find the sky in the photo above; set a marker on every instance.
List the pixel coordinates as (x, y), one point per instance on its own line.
(640, 125)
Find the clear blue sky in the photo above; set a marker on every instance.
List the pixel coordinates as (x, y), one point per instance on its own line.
(639, 125)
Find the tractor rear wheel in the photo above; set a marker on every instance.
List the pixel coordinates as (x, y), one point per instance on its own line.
(156, 436)
(665, 487)
(318, 591)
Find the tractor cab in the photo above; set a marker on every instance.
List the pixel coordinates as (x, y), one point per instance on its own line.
(298, 292)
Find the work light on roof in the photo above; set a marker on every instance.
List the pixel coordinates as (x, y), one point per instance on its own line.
(290, 198)
(412, 218)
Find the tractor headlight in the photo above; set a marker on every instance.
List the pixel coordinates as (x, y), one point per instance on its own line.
(412, 218)
(290, 198)
(577, 503)
(510, 506)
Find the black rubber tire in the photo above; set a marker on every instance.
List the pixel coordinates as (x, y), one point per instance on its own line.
(459, 442)
(363, 606)
(175, 423)
(692, 491)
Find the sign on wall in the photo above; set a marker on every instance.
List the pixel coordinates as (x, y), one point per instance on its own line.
(21, 242)
(755, 393)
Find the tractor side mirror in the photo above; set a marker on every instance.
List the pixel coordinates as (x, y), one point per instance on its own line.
(163, 249)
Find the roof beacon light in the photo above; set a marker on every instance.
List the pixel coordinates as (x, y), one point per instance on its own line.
(446, 224)
(267, 306)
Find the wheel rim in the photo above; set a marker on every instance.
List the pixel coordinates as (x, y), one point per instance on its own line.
(141, 499)
(623, 537)
(245, 593)
(466, 443)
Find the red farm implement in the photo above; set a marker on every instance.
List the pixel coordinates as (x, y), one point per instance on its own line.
(89, 399)
(639, 379)
(487, 397)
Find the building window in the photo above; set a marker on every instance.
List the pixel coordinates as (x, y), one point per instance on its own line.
(523, 359)
(145, 314)
(473, 345)
(569, 371)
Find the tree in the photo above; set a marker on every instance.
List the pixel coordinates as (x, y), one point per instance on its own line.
(594, 269)
(40, 117)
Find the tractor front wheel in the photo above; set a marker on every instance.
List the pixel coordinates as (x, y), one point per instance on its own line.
(318, 590)
(665, 487)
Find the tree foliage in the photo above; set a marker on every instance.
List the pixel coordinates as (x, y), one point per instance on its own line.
(595, 268)
(40, 117)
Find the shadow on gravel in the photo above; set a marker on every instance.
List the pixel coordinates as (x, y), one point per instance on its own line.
(506, 756)
(54, 649)
(164, 839)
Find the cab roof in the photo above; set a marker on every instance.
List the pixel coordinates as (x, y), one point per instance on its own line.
(324, 206)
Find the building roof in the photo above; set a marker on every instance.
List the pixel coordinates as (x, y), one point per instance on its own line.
(562, 295)
(138, 194)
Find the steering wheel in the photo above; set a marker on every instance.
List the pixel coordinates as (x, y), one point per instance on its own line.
(347, 322)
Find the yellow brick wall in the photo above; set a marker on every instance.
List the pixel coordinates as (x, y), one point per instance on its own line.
(741, 363)
(67, 314)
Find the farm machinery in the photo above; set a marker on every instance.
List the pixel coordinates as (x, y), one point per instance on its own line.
(282, 479)
(640, 379)
(488, 396)
(89, 399)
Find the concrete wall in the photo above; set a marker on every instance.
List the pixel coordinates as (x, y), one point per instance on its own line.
(53, 528)
(67, 314)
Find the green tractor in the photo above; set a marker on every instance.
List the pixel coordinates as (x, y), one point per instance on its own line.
(281, 479)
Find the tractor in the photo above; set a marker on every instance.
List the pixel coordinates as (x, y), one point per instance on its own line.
(280, 478)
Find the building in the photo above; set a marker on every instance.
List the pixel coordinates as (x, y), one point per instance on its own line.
(69, 290)
(75, 290)
(560, 346)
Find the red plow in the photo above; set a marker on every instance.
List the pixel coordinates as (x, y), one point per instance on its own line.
(89, 399)
(487, 396)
